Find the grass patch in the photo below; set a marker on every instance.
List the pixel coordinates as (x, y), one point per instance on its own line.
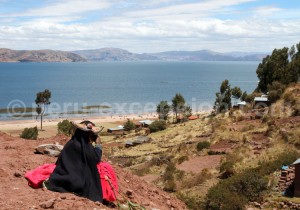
(17, 110)
(96, 107)
(77, 112)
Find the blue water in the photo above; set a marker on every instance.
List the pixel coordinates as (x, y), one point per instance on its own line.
(119, 84)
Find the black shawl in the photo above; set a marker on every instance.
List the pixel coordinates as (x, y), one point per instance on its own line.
(76, 169)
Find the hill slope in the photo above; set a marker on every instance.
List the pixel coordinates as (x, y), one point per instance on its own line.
(18, 157)
(115, 54)
(8, 55)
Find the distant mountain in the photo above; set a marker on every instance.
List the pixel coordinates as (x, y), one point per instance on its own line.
(8, 55)
(115, 54)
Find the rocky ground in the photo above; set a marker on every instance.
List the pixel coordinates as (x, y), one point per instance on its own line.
(17, 157)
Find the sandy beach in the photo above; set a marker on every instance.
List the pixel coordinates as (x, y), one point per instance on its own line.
(15, 127)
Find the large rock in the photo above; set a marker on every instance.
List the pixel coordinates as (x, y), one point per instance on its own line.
(52, 150)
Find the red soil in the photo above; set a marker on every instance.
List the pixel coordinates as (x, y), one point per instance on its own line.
(197, 164)
(17, 157)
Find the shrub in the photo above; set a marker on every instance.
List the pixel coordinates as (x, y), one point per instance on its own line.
(170, 185)
(65, 127)
(158, 125)
(289, 98)
(129, 125)
(249, 185)
(183, 158)
(169, 172)
(203, 145)
(192, 201)
(275, 91)
(30, 133)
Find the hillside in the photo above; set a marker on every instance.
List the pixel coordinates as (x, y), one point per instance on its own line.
(7, 55)
(17, 157)
(205, 161)
(115, 54)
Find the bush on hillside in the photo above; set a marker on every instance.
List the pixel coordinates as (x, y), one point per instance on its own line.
(203, 145)
(249, 185)
(65, 127)
(158, 125)
(30, 133)
(129, 125)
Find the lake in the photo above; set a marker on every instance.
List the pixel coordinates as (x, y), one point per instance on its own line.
(127, 87)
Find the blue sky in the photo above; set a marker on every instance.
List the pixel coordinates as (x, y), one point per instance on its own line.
(150, 26)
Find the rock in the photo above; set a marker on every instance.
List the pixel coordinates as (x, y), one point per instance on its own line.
(98, 203)
(145, 203)
(256, 204)
(169, 203)
(18, 174)
(48, 204)
(129, 193)
(63, 197)
(52, 150)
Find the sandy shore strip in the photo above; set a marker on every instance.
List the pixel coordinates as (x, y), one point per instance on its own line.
(15, 127)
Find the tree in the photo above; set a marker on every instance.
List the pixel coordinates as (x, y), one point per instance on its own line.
(129, 125)
(187, 111)
(244, 96)
(236, 92)
(163, 109)
(223, 98)
(274, 68)
(42, 100)
(178, 104)
(158, 125)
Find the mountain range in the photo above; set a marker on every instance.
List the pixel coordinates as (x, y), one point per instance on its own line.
(8, 55)
(115, 54)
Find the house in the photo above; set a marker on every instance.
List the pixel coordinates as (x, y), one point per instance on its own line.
(297, 178)
(192, 117)
(117, 130)
(145, 123)
(262, 101)
(240, 105)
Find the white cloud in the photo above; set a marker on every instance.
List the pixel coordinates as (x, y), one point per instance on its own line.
(190, 26)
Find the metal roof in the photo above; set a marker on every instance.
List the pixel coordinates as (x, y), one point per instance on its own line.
(116, 129)
(261, 99)
(242, 103)
(147, 122)
(296, 162)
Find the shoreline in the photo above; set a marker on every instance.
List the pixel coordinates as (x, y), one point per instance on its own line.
(14, 127)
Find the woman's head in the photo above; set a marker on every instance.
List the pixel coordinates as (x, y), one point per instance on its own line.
(87, 129)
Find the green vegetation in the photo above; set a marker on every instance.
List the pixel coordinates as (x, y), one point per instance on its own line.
(42, 100)
(202, 145)
(129, 125)
(65, 127)
(96, 107)
(281, 66)
(248, 185)
(30, 133)
(158, 125)
(223, 98)
(17, 110)
(178, 104)
(163, 110)
(77, 112)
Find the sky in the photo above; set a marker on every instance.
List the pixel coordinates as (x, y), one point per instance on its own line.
(146, 26)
